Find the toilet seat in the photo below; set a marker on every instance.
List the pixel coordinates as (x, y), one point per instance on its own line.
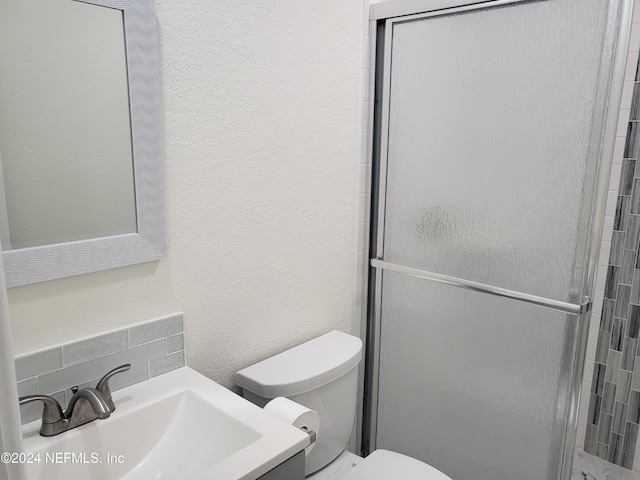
(384, 465)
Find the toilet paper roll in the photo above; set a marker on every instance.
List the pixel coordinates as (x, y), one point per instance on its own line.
(295, 414)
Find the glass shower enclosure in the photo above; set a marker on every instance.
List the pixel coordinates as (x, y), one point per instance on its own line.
(494, 125)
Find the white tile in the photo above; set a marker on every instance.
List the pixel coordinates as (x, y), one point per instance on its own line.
(359, 292)
(618, 151)
(365, 245)
(632, 59)
(598, 296)
(607, 228)
(634, 44)
(592, 342)
(365, 15)
(627, 95)
(588, 373)
(367, 213)
(623, 121)
(594, 324)
(605, 248)
(612, 198)
(364, 117)
(585, 395)
(614, 180)
(586, 388)
(355, 328)
(361, 235)
(362, 179)
(601, 278)
(582, 415)
(366, 85)
(580, 436)
(606, 234)
(367, 47)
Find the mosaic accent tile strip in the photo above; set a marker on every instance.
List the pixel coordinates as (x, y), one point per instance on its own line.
(152, 348)
(613, 418)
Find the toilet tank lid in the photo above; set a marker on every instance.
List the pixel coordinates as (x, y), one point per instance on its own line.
(303, 368)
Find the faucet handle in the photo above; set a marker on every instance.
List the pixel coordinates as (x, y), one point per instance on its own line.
(103, 384)
(52, 411)
(53, 421)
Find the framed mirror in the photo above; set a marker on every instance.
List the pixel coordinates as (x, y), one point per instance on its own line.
(80, 137)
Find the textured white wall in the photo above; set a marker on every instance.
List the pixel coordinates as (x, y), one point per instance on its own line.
(261, 111)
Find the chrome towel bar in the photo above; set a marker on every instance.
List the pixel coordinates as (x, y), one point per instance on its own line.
(571, 308)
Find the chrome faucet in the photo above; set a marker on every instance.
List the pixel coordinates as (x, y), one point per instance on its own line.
(85, 406)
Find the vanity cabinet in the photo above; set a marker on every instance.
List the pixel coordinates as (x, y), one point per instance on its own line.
(292, 469)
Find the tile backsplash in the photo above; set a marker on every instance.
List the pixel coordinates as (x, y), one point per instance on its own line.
(151, 348)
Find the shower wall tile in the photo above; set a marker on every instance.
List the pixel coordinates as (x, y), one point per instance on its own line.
(613, 414)
(633, 326)
(635, 287)
(617, 248)
(624, 387)
(634, 407)
(614, 359)
(614, 454)
(617, 334)
(627, 174)
(604, 430)
(630, 438)
(633, 227)
(633, 140)
(602, 348)
(611, 288)
(597, 384)
(622, 303)
(152, 348)
(619, 418)
(627, 268)
(622, 212)
(629, 354)
(606, 319)
(609, 398)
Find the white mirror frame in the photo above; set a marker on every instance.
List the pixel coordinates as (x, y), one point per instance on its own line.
(38, 264)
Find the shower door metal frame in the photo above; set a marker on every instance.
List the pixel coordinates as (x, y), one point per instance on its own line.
(385, 15)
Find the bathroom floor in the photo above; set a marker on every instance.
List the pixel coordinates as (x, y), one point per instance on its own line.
(336, 469)
(585, 467)
(588, 467)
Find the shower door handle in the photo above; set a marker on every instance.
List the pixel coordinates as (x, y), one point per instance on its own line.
(571, 308)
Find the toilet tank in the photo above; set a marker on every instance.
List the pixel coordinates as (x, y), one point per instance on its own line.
(321, 374)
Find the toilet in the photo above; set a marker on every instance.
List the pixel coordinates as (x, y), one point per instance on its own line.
(322, 374)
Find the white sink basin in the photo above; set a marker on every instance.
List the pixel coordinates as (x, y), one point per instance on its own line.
(177, 426)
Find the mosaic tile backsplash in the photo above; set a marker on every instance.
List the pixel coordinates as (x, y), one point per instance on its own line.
(614, 406)
(151, 348)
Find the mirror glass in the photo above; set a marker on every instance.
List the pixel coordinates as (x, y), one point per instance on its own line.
(81, 138)
(65, 129)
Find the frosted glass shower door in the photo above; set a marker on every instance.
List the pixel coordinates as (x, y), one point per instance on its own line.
(491, 124)
(473, 384)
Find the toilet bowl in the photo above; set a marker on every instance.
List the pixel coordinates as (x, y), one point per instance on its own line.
(322, 374)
